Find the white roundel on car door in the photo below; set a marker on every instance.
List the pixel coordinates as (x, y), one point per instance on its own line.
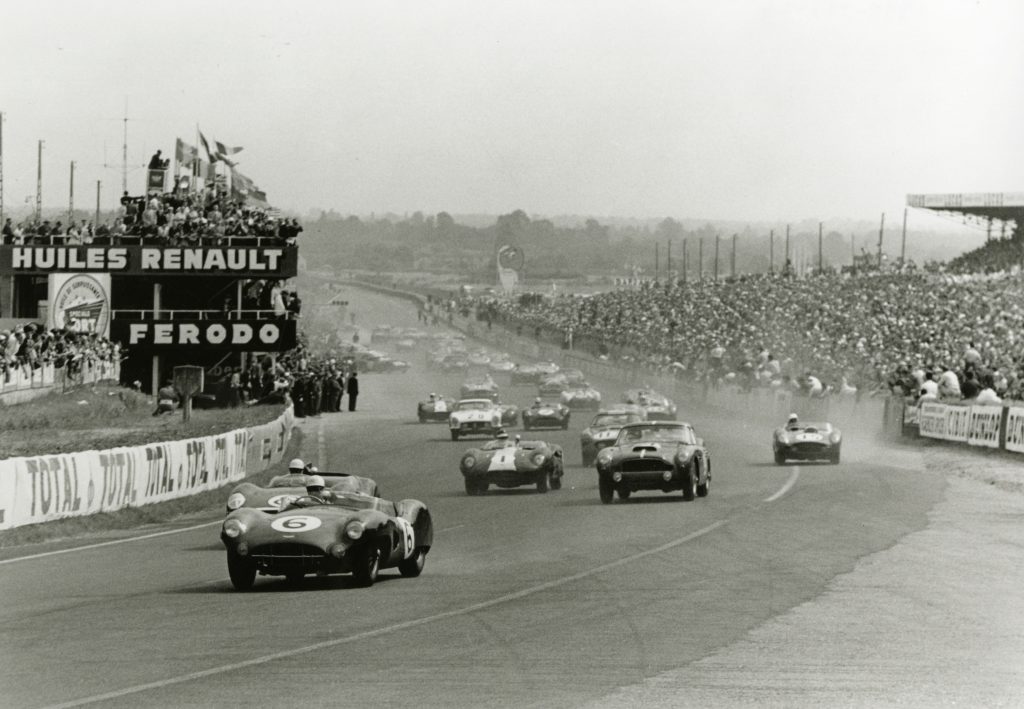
(504, 459)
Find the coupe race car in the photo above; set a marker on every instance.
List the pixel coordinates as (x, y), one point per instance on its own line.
(337, 533)
(479, 388)
(533, 373)
(435, 409)
(604, 429)
(553, 385)
(654, 455)
(807, 441)
(512, 463)
(475, 417)
(284, 488)
(658, 407)
(582, 397)
(546, 414)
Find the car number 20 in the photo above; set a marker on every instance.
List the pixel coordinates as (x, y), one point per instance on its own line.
(296, 523)
(408, 539)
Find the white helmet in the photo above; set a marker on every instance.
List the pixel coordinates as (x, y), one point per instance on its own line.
(315, 481)
(296, 464)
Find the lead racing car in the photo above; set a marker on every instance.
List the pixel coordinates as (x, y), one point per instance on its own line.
(654, 455)
(283, 488)
(807, 441)
(479, 416)
(604, 429)
(337, 533)
(435, 409)
(512, 463)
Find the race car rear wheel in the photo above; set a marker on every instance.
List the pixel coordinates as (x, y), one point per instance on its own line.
(780, 458)
(689, 483)
(413, 566)
(544, 481)
(242, 571)
(606, 490)
(366, 564)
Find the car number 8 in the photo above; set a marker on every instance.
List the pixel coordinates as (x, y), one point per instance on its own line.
(295, 523)
(408, 541)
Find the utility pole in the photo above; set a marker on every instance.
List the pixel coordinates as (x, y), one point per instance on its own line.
(71, 196)
(785, 266)
(771, 252)
(700, 259)
(96, 224)
(881, 234)
(1, 167)
(733, 257)
(39, 183)
(903, 241)
(821, 262)
(685, 264)
(717, 239)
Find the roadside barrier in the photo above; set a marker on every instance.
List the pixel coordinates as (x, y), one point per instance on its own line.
(997, 426)
(23, 384)
(49, 487)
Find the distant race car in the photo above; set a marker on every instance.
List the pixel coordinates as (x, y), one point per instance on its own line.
(512, 463)
(337, 533)
(436, 410)
(501, 364)
(546, 414)
(582, 397)
(533, 373)
(553, 385)
(479, 388)
(658, 407)
(604, 429)
(479, 358)
(475, 417)
(283, 488)
(654, 455)
(454, 362)
(807, 441)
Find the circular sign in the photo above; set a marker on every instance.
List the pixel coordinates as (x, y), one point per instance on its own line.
(280, 501)
(511, 257)
(295, 523)
(82, 304)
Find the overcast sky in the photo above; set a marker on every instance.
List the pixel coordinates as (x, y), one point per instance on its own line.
(718, 109)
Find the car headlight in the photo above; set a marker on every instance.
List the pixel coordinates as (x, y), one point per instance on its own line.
(337, 550)
(667, 475)
(355, 529)
(538, 459)
(784, 439)
(234, 528)
(468, 462)
(235, 500)
(617, 477)
(605, 457)
(835, 437)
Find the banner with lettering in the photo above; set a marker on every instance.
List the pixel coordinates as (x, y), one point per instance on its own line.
(80, 302)
(236, 335)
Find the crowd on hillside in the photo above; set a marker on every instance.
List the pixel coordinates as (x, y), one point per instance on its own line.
(179, 218)
(28, 347)
(821, 334)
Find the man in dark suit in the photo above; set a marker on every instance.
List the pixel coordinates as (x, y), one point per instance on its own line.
(352, 389)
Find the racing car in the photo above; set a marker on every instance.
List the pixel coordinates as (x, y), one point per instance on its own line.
(475, 417)
(342, 532)
(533, 373)
(553, 385)
(658, 407)
(582, 397)
(654, 455)
(604, 429)
(546, 414)
(807, 441)
(283, 488)
(512, 463)
(435, 409)
(480, 388)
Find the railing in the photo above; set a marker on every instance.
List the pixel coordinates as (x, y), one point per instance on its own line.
(137, 240)
(38, 380)
(210, 314)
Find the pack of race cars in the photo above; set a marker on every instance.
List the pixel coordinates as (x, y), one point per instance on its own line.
(307, 522)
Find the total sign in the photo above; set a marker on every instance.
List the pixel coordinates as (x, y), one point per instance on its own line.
(239, 335)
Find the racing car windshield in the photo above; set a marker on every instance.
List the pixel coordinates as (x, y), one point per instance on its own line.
(474, 405)
(615, 419)
(661, 434)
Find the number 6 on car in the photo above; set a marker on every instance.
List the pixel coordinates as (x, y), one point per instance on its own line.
(295, 523)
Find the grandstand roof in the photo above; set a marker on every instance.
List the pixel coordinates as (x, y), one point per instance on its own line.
(989, 205)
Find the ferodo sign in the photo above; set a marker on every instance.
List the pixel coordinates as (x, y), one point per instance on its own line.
(236, 261)
(240, 335)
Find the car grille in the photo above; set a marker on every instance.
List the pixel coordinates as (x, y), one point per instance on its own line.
(286, 551)
(645, 465)
(476, 425)
(810, 447)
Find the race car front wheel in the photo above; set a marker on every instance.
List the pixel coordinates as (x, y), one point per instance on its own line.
(606, 490)
(689, 482)
(366, 565)
(455, 435)
(413, 566)
(242, 571)
(544, 481)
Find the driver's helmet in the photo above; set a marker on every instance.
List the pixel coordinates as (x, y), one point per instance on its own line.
(501, 434)
(792, 420)
(296, 466)
(432, 396)
(536, 402)
(315, 485)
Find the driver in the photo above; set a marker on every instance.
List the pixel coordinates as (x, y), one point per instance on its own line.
(432, 398)
(296, 467)
(315, 487)
(536, 403)
(792, 423)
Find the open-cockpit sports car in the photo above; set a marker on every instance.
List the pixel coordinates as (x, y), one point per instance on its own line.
(479, 388)
(654, 455)
(546, 414)
(581, 396)
(657, 406)
(435, 408)
(287, 487)
(807, 441)
(604, 429)
(533, 373)
(330, 534)
(512, 463)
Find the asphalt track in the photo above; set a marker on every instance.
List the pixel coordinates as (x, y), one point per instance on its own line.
(527, 599)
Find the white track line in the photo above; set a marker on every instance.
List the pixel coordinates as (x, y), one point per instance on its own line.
(110, 543)
(785, 488)
(390, 628)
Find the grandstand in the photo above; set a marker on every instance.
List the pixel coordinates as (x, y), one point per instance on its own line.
(979, 208)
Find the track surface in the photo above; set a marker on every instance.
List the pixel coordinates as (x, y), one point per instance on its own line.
(526, 599)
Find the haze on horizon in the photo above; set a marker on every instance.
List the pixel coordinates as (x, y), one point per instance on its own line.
(731, 110)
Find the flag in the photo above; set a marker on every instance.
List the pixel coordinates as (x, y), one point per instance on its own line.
(245, 189)
(225, 150)
(212, 156)
(185, 153)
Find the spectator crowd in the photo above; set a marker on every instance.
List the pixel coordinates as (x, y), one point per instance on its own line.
(29, 347)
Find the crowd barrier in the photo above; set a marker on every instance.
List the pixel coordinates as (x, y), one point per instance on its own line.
(997, 426)
(22, 384)
(49, 487)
